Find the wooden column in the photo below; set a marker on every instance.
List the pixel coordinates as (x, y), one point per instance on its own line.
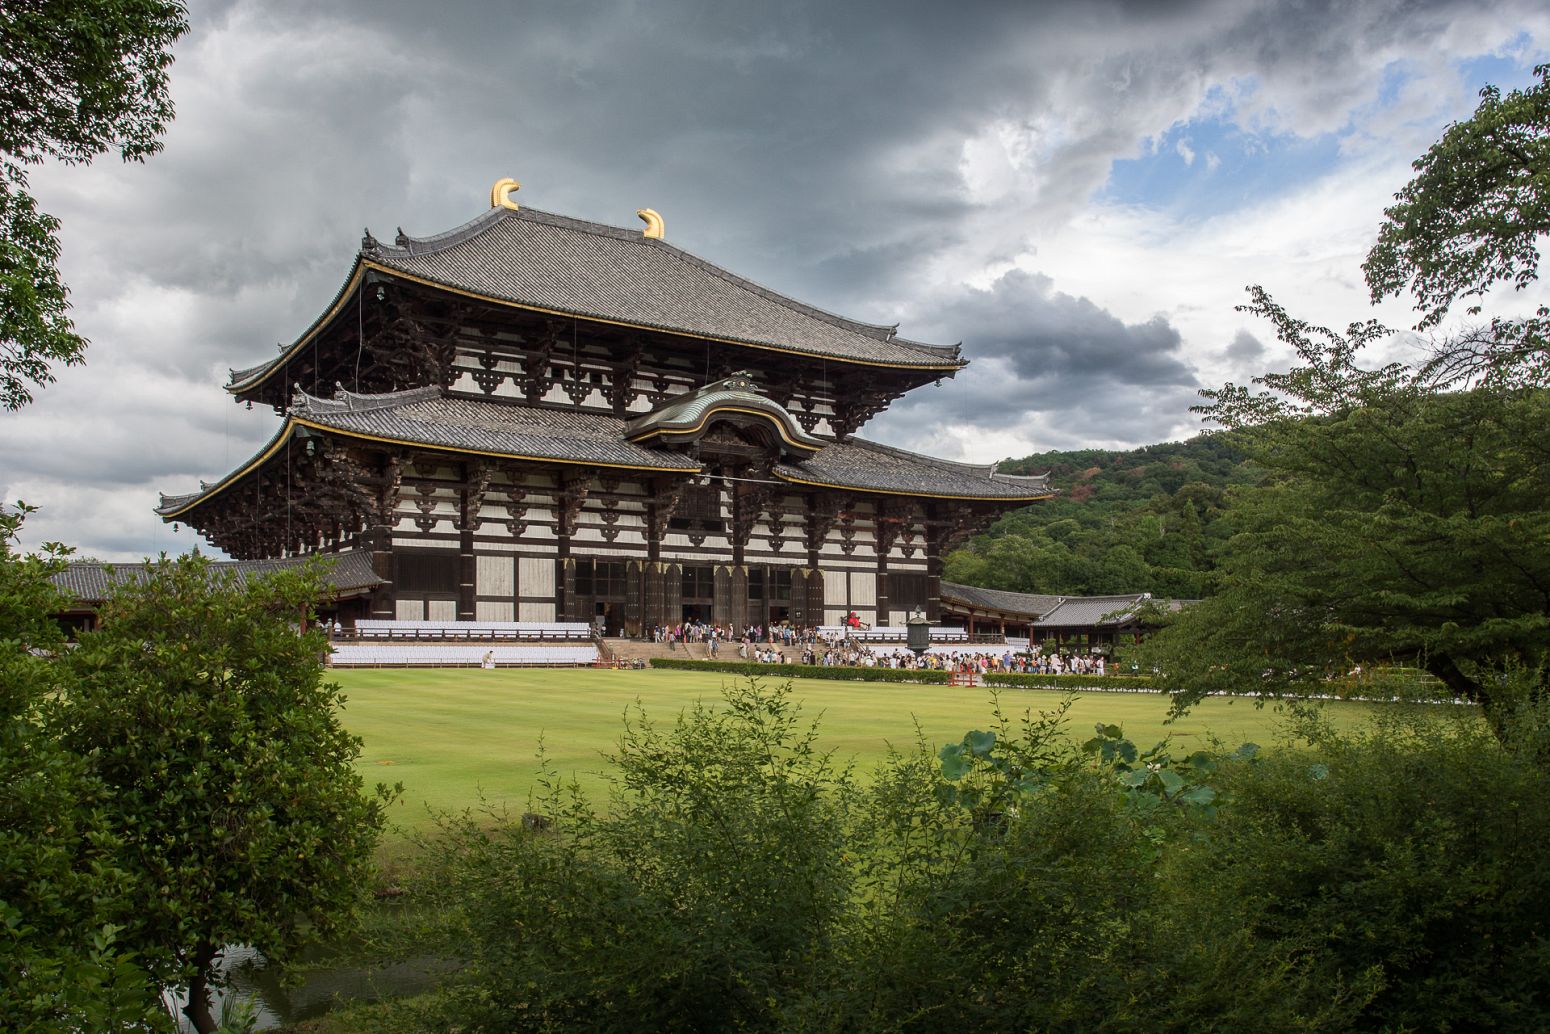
(384, 601)
(476, 480)
(383, 604)
(738, 617)
(631, 618)
(654, 608)
(933, 566)
(569, 499)
(721, 594)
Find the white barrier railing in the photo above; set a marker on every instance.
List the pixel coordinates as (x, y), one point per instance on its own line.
(470, 631)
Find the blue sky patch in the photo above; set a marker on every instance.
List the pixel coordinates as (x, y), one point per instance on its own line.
(1210, 165)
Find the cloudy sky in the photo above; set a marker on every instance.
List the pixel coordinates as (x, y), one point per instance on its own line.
(1077, 191)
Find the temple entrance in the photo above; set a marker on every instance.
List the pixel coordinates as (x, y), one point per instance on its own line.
(699, 592)
(606, 617)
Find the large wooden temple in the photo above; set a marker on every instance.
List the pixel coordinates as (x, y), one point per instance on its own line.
(537, 418)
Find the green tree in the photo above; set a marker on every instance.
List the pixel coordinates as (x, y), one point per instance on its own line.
(704, 897)
(78, 78)
(1404, 517)
(202, 706)
(60, 884)
(1400, 525)
(1472, 218)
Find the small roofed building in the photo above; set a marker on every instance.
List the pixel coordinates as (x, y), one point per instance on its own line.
(1072, 623)
(348, 574)
(539, 418)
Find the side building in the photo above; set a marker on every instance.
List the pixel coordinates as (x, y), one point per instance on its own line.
(537, 418)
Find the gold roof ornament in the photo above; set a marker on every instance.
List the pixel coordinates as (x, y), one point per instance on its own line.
(655, 229)
(500, 194)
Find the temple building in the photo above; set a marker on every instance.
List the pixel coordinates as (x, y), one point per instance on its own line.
(537, 418)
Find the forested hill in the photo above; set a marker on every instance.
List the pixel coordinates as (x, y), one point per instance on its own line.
(1147, 520)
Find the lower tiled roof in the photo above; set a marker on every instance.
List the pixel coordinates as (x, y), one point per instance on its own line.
(428, 417)
(1051, 611)
(425, 416)
(868, 466)
(1089, 611)
(88, 581)
(1023, 604)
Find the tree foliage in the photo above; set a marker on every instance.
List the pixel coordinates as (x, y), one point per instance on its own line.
(61, 886)
(202, 708)
(78, 78)
(1403, 518)
(1475, 216)
(1400, 525)
(1013, 880)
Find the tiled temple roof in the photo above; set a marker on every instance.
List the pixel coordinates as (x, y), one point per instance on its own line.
(1053, 611)
(1091, 611)
(558, 264)
(1022, 604)
(425, 416)
(868, 466)
(349, 572)
(428, 417)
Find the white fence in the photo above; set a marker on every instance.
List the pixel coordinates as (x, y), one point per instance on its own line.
(471, 631)
(425, 655)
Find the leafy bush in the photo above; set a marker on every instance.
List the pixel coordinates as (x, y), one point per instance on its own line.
(1399, 870)
(707, 893)
(1014, 880)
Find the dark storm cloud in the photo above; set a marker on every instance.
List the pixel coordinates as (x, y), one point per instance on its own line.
(1044, 333)
(870, 158)
(1052, 365)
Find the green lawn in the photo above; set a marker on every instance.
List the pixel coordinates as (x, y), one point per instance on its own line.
(450, 734)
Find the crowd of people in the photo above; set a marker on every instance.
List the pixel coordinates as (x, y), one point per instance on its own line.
(839, 648)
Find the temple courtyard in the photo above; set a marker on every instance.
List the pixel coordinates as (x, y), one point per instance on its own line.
(454, 736)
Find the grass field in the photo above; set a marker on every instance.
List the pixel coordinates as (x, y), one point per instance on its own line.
(451, 734)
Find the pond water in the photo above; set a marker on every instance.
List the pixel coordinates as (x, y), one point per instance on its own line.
(319, 990)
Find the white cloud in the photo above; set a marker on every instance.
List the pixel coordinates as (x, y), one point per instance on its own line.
(887, 169)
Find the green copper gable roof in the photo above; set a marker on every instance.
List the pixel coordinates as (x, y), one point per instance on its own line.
(685, 417)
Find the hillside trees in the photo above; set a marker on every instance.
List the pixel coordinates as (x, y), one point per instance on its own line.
(78, 78)
(1144, 520)
(202, 708)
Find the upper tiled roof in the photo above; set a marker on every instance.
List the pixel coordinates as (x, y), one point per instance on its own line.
(594, 271)
(88, 581)
(589, 269)
(856, 463)
(1025, 604)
